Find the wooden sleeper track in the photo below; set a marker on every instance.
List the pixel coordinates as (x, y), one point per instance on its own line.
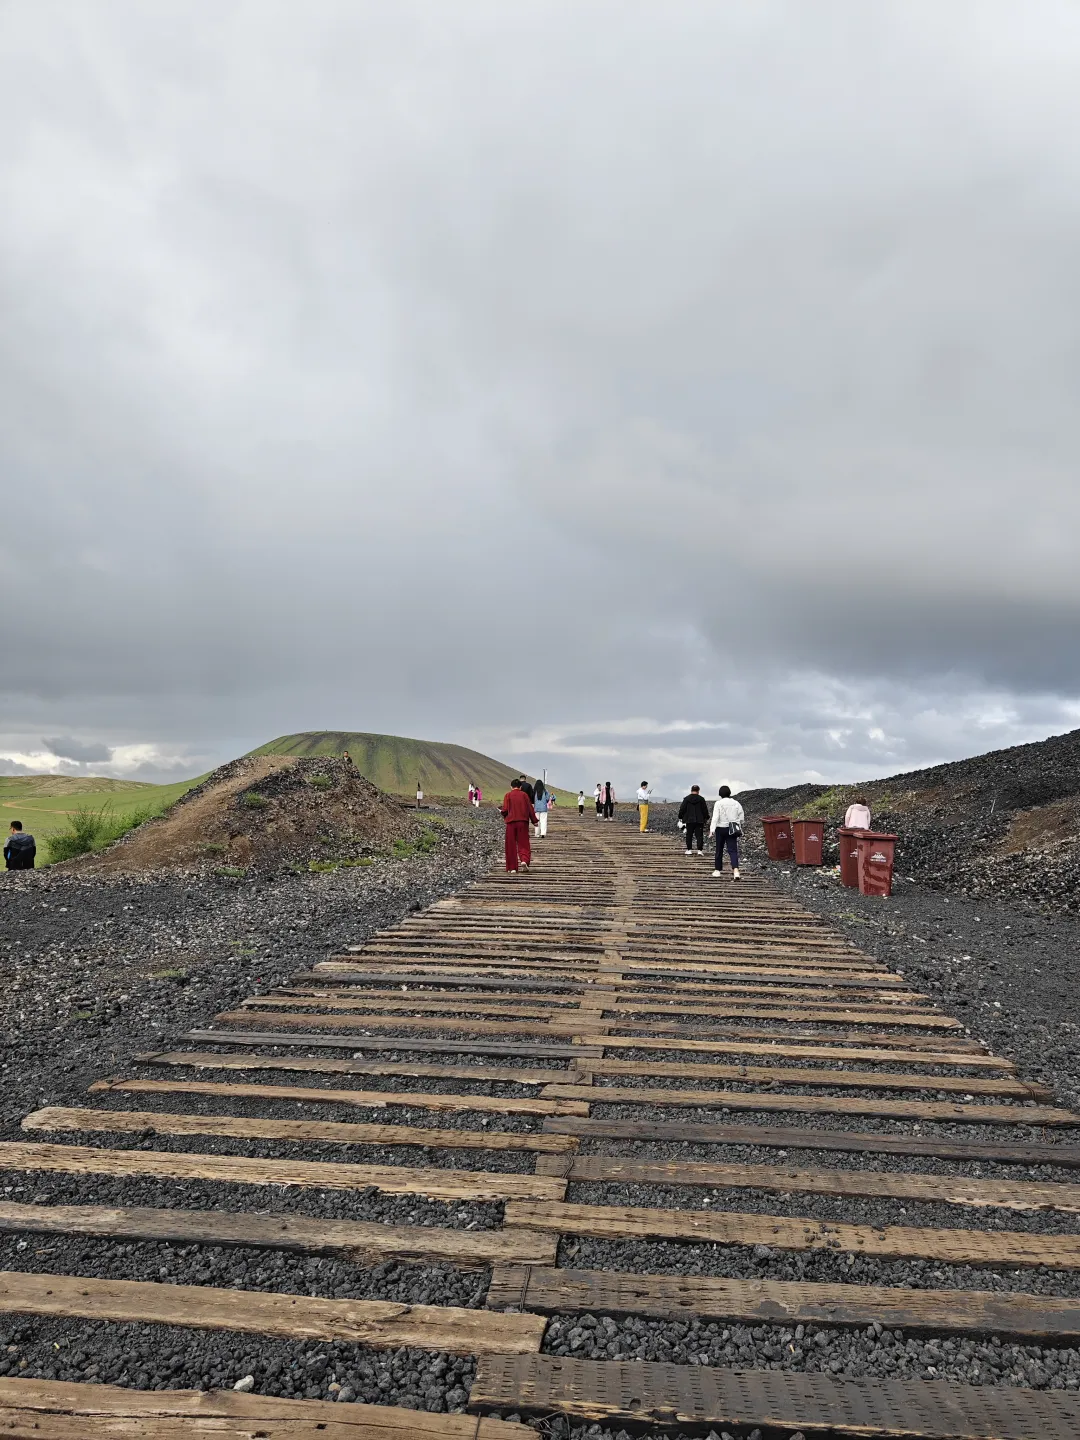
(613, 965)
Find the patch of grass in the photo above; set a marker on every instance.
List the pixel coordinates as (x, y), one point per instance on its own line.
(252, 800)
(321, 782)
(89, 830)
(82, 1015)
(364, 860)
(178, 975)
(230, 872)
(322, 867)
(212, 847)
(425, 842)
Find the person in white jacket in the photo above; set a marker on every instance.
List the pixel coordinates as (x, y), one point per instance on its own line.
(728, 818)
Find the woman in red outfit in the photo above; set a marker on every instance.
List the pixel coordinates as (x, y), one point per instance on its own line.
(518, 812)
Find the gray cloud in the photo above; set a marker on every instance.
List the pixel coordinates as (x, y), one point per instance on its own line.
(506, 378)
(71, 749)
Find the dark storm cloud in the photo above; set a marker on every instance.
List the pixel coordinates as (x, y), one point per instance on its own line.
(501, 372)
(70, 749)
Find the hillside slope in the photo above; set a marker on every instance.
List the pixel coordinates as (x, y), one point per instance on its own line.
(46, 803)
(395, 763)
(1005, 824)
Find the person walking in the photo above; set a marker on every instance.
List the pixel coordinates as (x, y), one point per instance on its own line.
(477, 796)
(609, 800)
(529, 788)
(598, 796)
(472, 792)
(517, 812)
(20, 848)
(581, 802)
(693, 817)
(857, 815)
(540, 805)
(728, 820)
(644, 795)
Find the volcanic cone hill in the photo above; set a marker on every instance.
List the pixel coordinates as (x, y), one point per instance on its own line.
(267, 813)
(1004, 825)
(395, 763)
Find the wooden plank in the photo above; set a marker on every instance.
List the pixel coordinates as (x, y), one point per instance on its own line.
(364, 1241)
(348, 978)
(434, 1046)
(790, 1075)
(881, 1054)
(393, 1022)
(379, 1323)
(802, 1233)
(416, 1001)
(437, 1184)
(222, 1413)
(819, 1104)
(901, 1045)
(641, 1393)
(843, 1141)
(788, 1180)
(821, 1014)
(377, 1099)
(781, 1302)
(322, 1132)
(331, 1065)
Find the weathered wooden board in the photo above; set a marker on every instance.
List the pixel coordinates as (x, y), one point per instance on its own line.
(844, 1141)
(324, 1132)
(823, 1051)
(901, 1045)
(731, 1227)
(780, 1302)
(436, 1183)
(364, 1241)
(639, 1393)
(331, 1065)
(819, 1104)
(379, 1323)
(790, 1075)
(93, 1411)
(306, 1094)
(788, 1180)
(434, 1046)
(412, 1004)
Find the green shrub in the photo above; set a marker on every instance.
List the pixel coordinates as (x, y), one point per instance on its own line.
(322, 867)
(321, 782)
(91, 830)
(230, 872)
(252, 800)
(168, 975)
(354, 864)
(211, 847)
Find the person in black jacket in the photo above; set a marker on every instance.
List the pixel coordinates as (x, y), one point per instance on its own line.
(694, 815)
(20, 851)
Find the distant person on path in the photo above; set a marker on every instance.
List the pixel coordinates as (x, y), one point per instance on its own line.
(20, 848)
(644, 795)
(477, 796)
(541, 801)
(728, 820)
(419, 794)
(609, 800)
(472, 792)
(598, 796)
(517, 811)
(857, 815)
(694, 816)
(581, 802)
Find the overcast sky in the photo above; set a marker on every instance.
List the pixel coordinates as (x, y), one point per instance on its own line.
(682, 390)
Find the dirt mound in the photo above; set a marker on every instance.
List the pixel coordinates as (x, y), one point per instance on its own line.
(267, 813)
(1004, 825)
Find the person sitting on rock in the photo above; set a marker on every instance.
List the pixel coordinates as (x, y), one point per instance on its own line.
(20, 850)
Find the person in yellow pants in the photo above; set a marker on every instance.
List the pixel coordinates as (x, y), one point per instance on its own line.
(644, 795)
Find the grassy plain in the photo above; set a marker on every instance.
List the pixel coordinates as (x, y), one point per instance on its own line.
(46, 803)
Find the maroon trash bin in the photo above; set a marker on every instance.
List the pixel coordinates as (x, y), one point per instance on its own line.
(809, 839)
(777, 836)
(848, 841)
(876, 853)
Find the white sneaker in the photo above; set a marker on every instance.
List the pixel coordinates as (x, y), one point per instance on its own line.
(689, 853)
(735, 875)
(716, 873)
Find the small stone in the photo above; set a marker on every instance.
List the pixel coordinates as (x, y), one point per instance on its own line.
(246, 1384)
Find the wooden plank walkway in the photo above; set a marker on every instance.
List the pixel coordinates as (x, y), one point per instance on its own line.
(610, 976)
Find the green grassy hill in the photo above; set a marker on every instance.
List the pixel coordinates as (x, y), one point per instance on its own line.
(395, 763)
(44, 802)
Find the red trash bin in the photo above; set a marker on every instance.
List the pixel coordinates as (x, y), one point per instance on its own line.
(876, 853)
(809, 838)
(848, 841)
(777, 836)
